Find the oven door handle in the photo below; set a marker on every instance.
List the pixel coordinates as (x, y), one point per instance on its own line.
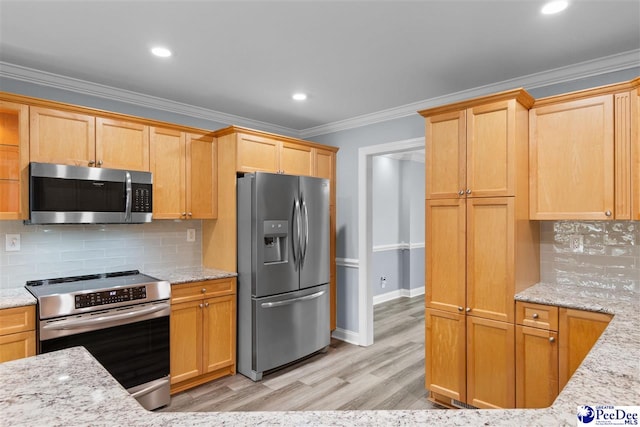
(80, 323)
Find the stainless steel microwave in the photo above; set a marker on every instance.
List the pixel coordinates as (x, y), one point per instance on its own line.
(62, 194)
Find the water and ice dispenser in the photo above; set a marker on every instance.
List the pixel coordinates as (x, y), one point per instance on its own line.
(275, 241)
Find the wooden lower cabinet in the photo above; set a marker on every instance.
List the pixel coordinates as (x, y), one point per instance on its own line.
(470, 360)
(579, 330)
(536, 367)
(203, 332)
(17, 333)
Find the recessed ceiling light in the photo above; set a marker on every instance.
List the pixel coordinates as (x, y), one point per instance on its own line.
(162, 52)
(554, 7)
(299, 96)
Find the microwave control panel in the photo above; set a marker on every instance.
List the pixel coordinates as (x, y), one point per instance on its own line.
(113, 296)
(141, 198)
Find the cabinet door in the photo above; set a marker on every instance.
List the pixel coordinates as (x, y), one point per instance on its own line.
(445, 370)
(219, 339)
(536, 367)
(491, 257)
(17, 346)
(491, 150)
(571, 160)
(257, 153)
(122, 145)
(579, 330)
(61, 137)
(490, 363)
(186, 340)
(324, 164)
(445, 254)
(202, 177)
(14, 160)
(167, 155)
(445, 155)
(296, 159)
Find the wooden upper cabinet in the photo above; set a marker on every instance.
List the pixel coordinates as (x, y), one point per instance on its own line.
(583, 155)
(257, 153)
(445, 155)
(296, 159)
(61, 137)
(14, 160)
(201, 176)
(167, 155)
(184, 167)
(477, 148)
(122, 145)
(324, 164)
(76, 139)
(571, 162)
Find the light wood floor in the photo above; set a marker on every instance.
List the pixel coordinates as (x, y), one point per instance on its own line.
(387, 375)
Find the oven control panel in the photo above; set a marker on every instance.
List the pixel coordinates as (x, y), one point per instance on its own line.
(94, 299)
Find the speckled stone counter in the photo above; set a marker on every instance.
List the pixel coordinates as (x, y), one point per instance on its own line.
(15, 297)
(187, 275)
(70, 388)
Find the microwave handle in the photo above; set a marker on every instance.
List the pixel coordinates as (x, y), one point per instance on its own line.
(127, 208)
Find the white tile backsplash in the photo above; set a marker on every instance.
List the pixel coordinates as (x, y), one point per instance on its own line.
(67, 250)
(610, 258)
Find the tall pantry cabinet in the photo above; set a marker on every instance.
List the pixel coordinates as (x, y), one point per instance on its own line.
(480, 246)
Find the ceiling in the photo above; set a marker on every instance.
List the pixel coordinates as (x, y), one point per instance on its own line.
(353, 58)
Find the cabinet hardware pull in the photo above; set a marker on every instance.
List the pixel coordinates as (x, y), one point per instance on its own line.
(190, 214)
(206, 304)
(92, 162)
(608, 213)
(100, 162)
(461, 193)
(468, 309)
(200, 305)
(468, 191)
(460, 308)
(183, 214)
(552, 339)
(204, 290)
(535, 315)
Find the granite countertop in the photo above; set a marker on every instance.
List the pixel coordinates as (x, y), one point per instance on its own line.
(16, 297)
(70, 388)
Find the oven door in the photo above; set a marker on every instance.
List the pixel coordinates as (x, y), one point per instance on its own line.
(133, 348)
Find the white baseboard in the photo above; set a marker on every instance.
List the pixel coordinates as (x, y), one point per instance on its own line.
(398, 293)
(347, 336)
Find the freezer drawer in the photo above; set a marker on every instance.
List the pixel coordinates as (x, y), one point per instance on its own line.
(288, 327)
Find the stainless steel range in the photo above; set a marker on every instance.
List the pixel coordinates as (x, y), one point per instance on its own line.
(121, 318)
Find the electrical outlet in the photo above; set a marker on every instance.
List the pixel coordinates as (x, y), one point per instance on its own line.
(12, 243)
(576, 243)
(383, 281)
(191, 234)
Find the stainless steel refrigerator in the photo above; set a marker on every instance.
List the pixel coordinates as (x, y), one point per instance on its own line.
(283, 270)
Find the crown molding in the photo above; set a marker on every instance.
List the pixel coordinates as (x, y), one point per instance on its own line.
(577, 71)
(43, 78)
(607, 64)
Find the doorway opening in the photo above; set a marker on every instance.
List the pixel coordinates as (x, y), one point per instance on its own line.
(365, 228)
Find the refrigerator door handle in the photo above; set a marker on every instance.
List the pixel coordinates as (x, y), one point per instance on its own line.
(291, 300)
(295, 240)
(306, 232)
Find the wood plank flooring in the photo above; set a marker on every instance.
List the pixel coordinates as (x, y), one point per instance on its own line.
(387, 375)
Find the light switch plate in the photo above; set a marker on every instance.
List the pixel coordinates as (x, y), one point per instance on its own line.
(12, 243)
(191, 234)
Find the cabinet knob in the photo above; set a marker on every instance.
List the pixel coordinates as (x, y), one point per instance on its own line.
(461, 193)
(200, 305)
(92, 162)
(468, 309)
(206, 304)
(183, 214)
(189, 214)
(535, 315)
(100, 162)
(203, 290)
(552, 339)
(608, 213)
(460, 308)
(468, 191)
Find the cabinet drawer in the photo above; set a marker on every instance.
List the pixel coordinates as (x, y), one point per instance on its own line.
(17, 319)
(197, 290)
(537, 315)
